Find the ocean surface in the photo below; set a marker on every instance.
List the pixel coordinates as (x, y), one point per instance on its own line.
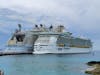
(48, 64)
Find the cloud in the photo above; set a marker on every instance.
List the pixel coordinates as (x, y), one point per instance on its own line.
(81, 17)
(82, 14)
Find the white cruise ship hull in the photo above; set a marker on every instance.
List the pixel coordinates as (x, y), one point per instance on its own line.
(63, 51)
(48, 45)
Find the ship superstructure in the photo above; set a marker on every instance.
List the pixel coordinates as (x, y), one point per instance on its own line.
(41, 40)
(58, 42)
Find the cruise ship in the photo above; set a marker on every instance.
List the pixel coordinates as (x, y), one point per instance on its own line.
(44, 40)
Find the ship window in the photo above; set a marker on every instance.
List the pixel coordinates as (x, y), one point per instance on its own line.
(61, 45)
(43, 39)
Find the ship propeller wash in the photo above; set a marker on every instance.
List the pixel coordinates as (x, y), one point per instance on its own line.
(43, 40)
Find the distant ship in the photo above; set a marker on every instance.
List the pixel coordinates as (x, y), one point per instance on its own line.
(43, 40)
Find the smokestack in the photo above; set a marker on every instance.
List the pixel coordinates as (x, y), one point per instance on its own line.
(20, 27)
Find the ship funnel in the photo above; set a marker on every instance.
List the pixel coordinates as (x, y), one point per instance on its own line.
(36, 26)
(60, 28)
(51, 28)
(20, 27)
(41, 25)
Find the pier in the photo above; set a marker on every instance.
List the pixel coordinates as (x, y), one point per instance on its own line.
(2, 53)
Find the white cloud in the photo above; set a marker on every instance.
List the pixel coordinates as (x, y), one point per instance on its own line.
(80, 16)
(81, 13)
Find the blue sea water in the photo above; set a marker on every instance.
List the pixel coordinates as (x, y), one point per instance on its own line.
(49, 64)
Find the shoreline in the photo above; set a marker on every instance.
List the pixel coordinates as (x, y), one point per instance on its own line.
(95, 68)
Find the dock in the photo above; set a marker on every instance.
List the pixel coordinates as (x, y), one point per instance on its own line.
(2, 53)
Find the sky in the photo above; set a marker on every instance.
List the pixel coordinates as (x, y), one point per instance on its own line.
(81, 17)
